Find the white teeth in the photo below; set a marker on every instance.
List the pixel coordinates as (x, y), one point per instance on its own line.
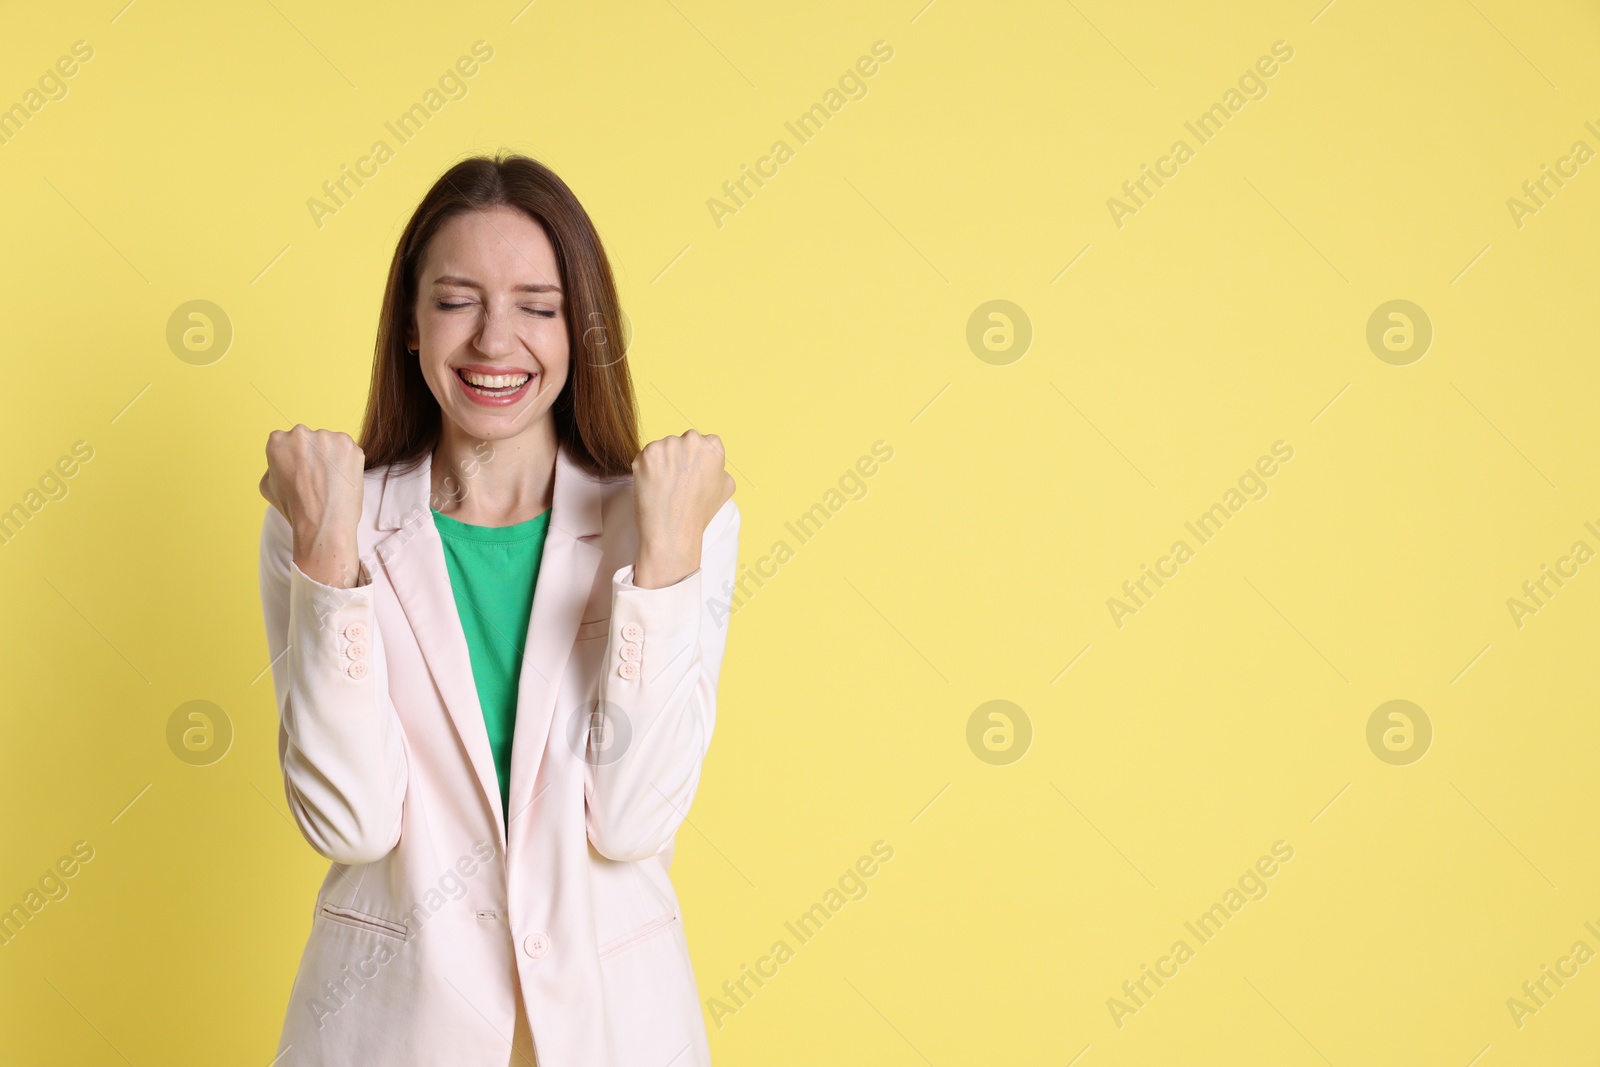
(495, 381)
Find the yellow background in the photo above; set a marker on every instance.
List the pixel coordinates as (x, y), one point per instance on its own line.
(829, 313)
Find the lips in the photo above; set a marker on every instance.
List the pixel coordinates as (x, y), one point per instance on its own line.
(494, 386)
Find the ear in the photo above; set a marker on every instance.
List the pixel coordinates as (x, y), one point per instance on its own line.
(411, 334)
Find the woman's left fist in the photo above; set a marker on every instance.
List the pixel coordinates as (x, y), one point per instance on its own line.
(679, 484)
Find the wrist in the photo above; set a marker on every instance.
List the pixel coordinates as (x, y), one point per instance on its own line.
(657, 569)
(333, 561)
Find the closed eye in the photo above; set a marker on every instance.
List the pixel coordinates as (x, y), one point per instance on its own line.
(544, 313)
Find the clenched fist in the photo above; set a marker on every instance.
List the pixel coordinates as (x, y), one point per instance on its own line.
(314, 480)
(679, 483)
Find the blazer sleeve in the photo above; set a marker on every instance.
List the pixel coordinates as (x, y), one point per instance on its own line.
(658, 698)
(339, 738)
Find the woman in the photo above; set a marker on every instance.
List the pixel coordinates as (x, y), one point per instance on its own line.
(496, 628)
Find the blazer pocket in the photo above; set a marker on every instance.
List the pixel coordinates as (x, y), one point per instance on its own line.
(362, 921)
(593, 628)
(633, 937)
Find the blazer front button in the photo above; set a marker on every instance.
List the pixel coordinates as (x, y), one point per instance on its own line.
(357, 670)
(629, 651)
(632, 631)
(629, 669)
(536, 945)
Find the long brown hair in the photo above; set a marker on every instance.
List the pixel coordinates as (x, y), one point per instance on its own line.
(595, 414)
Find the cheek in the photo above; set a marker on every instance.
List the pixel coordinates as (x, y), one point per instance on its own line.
(554, 349)
(430, 360)
(440, 328)
(434, 372)
(438, 335)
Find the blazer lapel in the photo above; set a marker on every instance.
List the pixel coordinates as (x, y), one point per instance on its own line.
(567, 571)
(413, 557)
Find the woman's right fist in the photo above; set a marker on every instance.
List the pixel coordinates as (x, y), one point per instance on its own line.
(314, 479)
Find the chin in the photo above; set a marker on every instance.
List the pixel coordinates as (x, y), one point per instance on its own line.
(494, 427)
(508, 422)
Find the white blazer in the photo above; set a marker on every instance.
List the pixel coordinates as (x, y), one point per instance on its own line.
(436, 907)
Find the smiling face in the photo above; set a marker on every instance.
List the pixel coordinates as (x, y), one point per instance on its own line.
(490, 325)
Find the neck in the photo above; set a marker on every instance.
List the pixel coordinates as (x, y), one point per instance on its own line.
(494, 483)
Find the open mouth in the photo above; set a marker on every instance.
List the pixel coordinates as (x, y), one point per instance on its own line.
(497, 387)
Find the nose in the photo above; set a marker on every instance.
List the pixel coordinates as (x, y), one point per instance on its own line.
(497, 335)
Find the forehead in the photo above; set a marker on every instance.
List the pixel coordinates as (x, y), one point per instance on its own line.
(498, 247)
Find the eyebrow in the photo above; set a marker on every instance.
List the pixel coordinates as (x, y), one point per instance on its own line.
(525, 287)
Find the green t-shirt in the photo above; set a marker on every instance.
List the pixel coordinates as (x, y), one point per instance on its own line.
(493, 570)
